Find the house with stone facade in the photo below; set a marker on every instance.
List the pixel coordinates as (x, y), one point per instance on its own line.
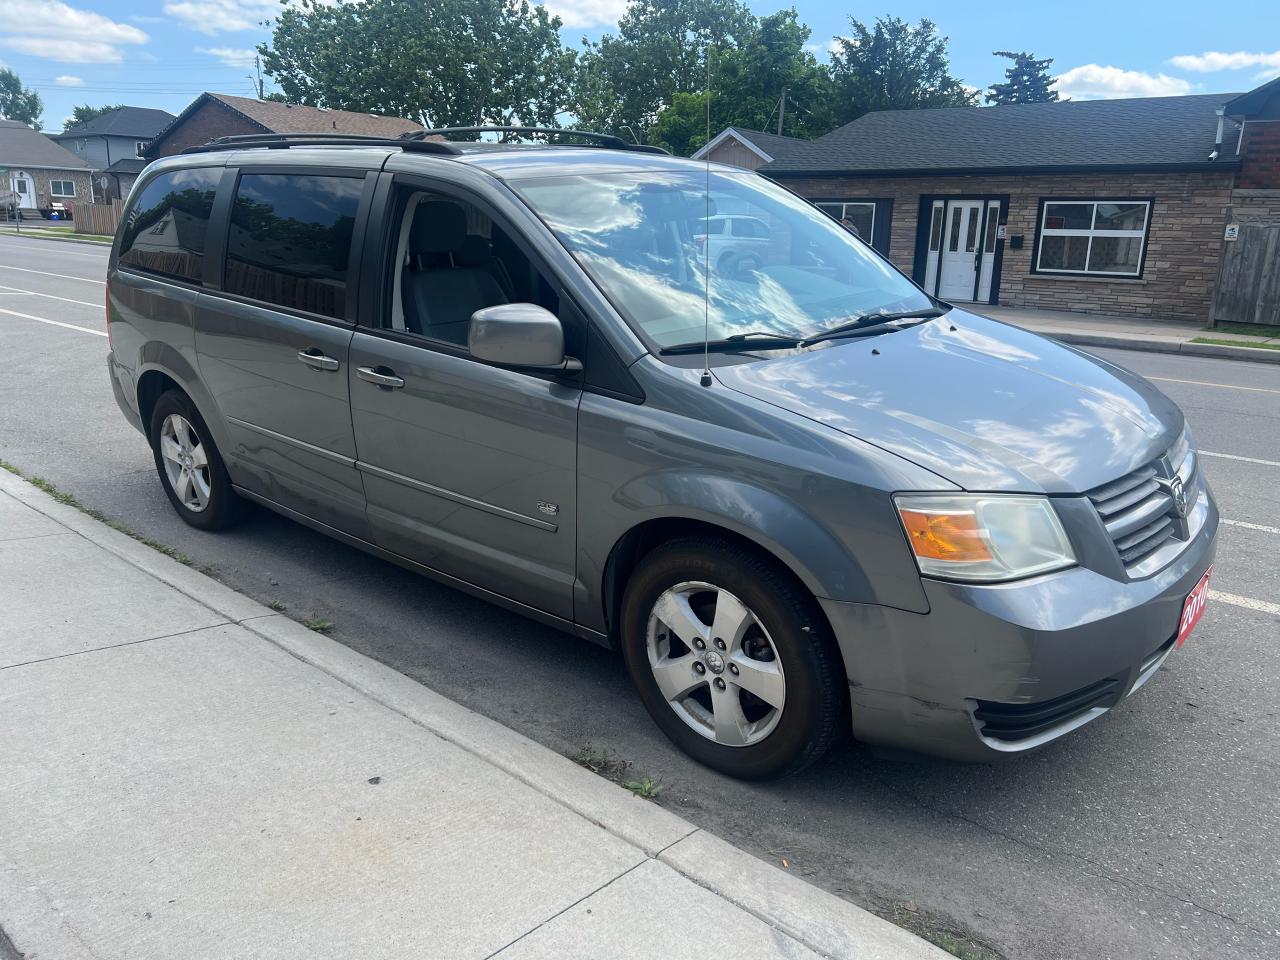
(37, 176)
(1103, 206)
(112, 144)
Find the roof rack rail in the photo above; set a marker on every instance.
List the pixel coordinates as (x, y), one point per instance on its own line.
(601, 139)
(283, 141)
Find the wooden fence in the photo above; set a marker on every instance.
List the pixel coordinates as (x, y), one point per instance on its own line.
(100, 218)
(1248, 288)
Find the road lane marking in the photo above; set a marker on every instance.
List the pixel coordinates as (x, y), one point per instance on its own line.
(62, 253)
(1246, 525)
(50, 296)
(1232, 456)
(1206, 383)
(56, 323)
(67, 276)
(1261, 606)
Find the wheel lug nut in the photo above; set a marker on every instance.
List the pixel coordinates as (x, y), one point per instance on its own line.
(700, 644)
(719, 644)
(733, 668)
(699, 668)
(719, 683)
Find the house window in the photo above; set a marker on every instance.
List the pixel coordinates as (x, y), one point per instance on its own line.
(861, 214)
(1105, 238)
(139, 147)
(62, 188)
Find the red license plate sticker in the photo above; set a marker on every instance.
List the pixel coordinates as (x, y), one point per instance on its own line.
(1193, 608)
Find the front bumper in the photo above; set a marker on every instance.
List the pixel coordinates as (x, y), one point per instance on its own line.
(1050, 653)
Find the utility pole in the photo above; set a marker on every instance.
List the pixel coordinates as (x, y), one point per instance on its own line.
(782, 109)
(257, 81)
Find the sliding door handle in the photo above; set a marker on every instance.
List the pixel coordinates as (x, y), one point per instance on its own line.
(381, 376)
(316, 360)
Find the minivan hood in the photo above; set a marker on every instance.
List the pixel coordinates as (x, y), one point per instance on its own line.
(981, 403)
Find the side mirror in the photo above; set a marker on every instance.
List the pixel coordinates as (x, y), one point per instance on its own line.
(519, 335)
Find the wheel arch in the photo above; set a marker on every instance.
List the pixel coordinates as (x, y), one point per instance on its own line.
(162, 367)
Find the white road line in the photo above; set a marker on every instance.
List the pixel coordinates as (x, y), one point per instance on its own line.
(50, 296)
(60, 276)
(1261, 606)
(1206, 383)
(1232, 456)
(1244, 524)
(55, 323)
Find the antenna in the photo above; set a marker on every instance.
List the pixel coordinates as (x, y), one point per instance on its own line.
(706, 226)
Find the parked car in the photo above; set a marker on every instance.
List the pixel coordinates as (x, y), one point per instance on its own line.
(732, 243)
(800, 500)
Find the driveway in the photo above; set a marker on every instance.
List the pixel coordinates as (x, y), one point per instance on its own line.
(1152, 833)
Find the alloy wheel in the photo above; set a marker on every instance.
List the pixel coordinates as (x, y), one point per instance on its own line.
(185, 462)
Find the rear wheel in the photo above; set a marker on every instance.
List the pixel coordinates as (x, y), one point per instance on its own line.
(732, 658)
(190, 467)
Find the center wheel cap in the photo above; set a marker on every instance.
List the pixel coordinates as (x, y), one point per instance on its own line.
(714, 662)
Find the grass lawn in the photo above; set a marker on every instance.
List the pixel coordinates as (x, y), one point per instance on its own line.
(1248, 329)
(1238, 343)
(57, 233)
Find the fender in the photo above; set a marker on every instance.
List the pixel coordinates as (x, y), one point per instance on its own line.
(161, 357)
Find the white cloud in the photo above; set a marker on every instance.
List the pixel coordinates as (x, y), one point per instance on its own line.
(231, 56)
(587, 13)
(58, 31)
(1212, 61)
(221, 16)
(66, 80)
(1094, 82)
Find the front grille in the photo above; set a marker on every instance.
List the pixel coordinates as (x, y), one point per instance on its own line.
(1014, 722)
(1138, 510)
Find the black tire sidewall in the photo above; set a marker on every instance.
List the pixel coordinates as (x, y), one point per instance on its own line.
(225, 507)
(800, 635)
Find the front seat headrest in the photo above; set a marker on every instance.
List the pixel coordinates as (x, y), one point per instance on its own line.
(438, 227)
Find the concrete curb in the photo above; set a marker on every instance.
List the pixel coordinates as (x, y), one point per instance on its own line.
(35, 234)
(1163, 345)
(820, 921)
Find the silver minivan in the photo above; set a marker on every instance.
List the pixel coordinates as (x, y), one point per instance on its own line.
(799, 495)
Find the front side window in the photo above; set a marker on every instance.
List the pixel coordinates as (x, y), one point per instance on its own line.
(165, 230)
(637, 236)
(290, 240)
(62, 188)
(1093, 237)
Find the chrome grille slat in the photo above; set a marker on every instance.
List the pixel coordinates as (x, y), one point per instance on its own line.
(1142, 513)
(1138, 545)
(1104, 496)
(1137, 511)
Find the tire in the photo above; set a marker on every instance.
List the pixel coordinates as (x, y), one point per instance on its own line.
(729, 728)
(198, 487)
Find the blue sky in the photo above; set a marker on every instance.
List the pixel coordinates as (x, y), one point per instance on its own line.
(162, 53)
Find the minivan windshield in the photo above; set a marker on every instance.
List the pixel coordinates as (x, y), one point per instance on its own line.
(773, 263)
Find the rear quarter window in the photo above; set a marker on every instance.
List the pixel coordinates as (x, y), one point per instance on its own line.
(165, 230)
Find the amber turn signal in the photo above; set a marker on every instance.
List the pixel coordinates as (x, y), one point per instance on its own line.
(945, 536)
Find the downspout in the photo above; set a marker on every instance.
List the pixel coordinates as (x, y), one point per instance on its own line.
(1217, 140)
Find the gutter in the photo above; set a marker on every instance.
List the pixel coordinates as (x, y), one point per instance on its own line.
(1184, 167)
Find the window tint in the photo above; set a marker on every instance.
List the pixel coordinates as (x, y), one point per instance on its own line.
(290, 240)
(165, 231)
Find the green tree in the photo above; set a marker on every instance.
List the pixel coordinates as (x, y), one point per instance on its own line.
(625, 80)
(1026, 81)
(440, 62)
(84, 113)
(17, 102)
(894, 65)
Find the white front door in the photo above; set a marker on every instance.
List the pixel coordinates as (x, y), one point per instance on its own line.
(961, 250)
(24, 185)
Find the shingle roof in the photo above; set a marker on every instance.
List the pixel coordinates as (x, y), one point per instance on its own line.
(1147, 132)
(296, 118)
(128, 165)
(22, 147)
(771, 143)
(140, 122)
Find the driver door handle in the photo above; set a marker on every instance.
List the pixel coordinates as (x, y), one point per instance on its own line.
(381, 376)
(313, 358)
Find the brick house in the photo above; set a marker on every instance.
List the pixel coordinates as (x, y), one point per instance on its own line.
(213, 115)
(1105, 206)
(112, 142)
(37, 175)
(749, 149)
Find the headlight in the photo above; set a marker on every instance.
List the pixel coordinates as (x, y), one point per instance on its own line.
(984, 537)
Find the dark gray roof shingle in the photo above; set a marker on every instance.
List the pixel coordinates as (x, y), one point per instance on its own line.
(141, 122)
(22, 147)
(771, 143)
(1093, 134)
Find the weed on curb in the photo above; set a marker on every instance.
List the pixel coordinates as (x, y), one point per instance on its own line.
(318, 625)
(937, 931)
(277, 606)
(604, 764)
(69, 500)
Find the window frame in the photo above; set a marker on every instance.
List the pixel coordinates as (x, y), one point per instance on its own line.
(62, 196)
(213, 243)
(844, 212)
(1092, 232)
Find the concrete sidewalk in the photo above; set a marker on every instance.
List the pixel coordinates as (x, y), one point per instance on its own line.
(1133, 333)
(184, 774)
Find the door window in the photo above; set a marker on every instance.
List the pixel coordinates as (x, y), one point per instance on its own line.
(971, 230)
(165, 230)
(748, 227)
(290, 240)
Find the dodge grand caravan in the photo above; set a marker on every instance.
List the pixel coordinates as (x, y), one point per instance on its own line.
(795, 492)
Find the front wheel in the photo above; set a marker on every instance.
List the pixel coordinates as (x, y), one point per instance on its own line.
(733, 658)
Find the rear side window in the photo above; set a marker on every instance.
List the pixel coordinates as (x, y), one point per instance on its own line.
(290, 240)
(165, 231)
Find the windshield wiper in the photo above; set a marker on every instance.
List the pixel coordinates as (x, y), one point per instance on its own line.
(866, 323)
(752, 340)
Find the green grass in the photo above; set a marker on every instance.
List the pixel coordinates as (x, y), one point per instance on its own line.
(277, 606)
(58, 233)
(319, 625)
(605, 764)
(1248, 329)
(1237, 343)
(69, 499)
(910, 917)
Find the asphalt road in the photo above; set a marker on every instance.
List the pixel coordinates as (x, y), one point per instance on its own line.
(1154, 832)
